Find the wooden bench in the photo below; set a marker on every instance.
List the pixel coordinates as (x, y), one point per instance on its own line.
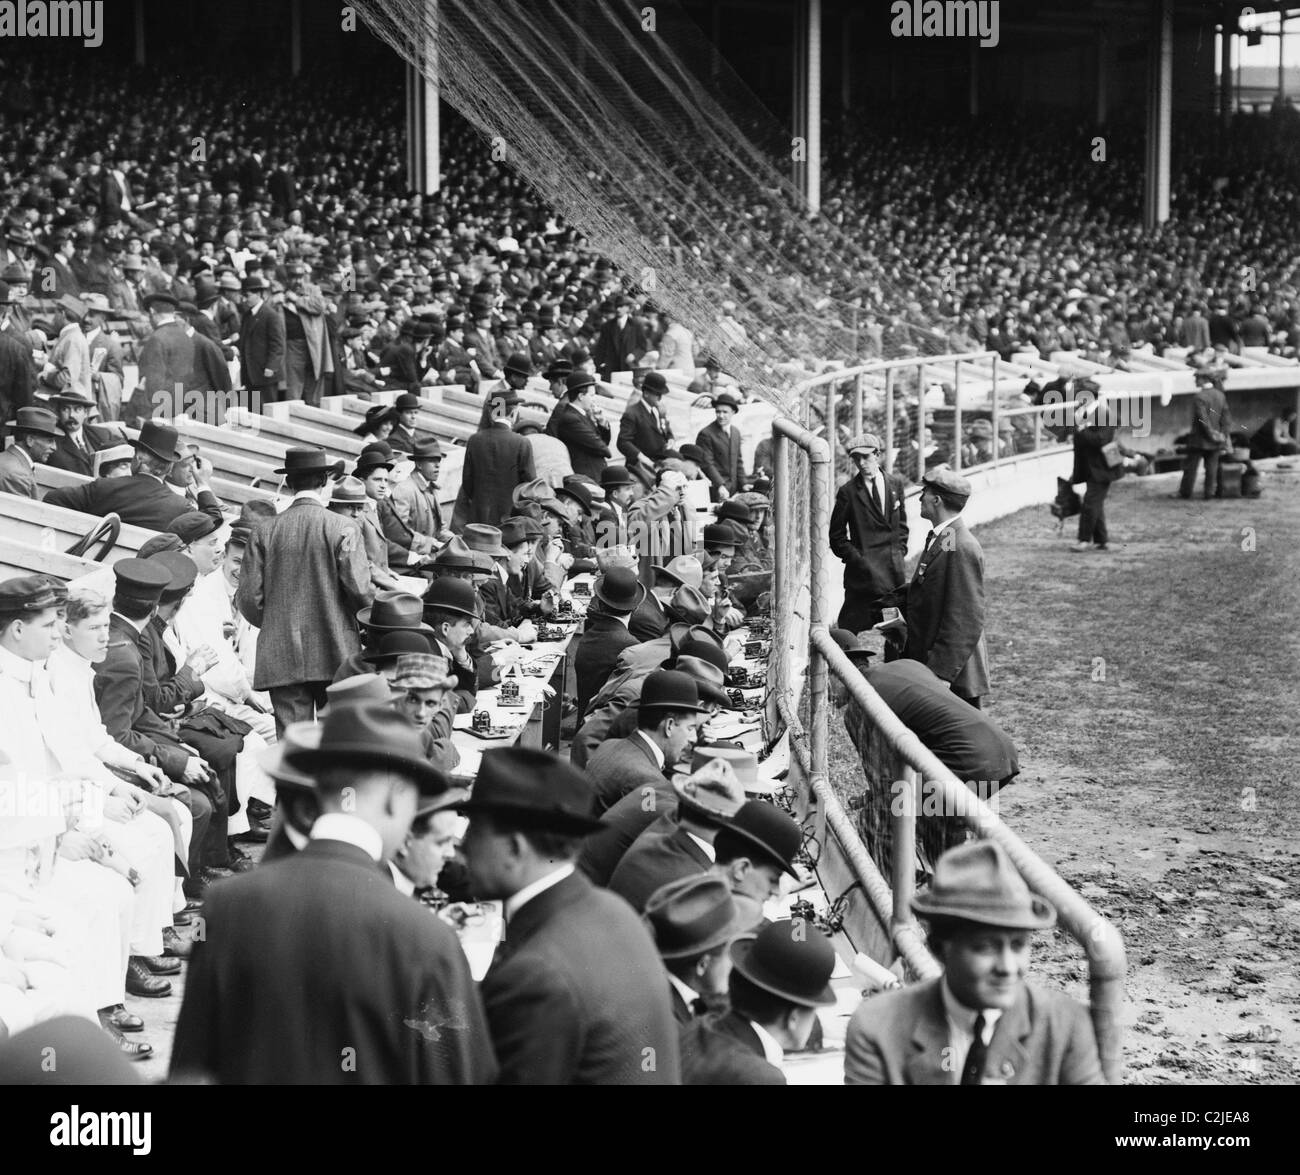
(54, 528)
(19, 558)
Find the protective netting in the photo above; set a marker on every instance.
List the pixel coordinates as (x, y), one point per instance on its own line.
(633, 130)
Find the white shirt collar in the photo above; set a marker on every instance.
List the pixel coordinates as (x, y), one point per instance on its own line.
(654, 747)
(541, 885)
(708, 849)
(402, 883)
(772, 1051)
(309, 495)
(939, 526)
(297, 839)
(688, 994)
(350, 830)
(12, 665)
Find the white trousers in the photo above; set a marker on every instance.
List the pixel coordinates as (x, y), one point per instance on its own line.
(147, 844)
(100, 904)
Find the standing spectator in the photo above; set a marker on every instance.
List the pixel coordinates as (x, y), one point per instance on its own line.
(166, 363)
(677, 347)
(304, 577)
(105, 348)
(1194, 332)
(621, 341)
(868, 533)
(308, 361)
(721, 442)
(644, 432)
(496, 460)
(1211, 428)
(945, 600)
(261, 343)
(1224, 331)
(1093, 464)
(581, 425)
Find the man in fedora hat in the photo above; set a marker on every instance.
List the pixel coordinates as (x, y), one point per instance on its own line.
(36, 434)
(694, 921)
(296, 802)
(261, 341)
(579, 423)
(496, 460)
(412, 517)
(644, 431)
(304, 577)
(617, 594)
(78, 442)
(720, 443)
(166, 363)
(574, 994)
(757, 845)
(779, 978)
(981, 1023)
(143, 499)
(503, 615)
(452, 606)
(868, 534)
(378, 992)
(945, 600)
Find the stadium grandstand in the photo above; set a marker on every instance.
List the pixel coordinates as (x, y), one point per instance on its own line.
(489, 575)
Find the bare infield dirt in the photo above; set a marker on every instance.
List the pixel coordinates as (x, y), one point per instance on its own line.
(1154, 695)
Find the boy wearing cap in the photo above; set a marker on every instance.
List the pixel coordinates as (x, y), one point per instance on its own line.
(981, 1023)
(779, 978)
(423, 696)
(868, 533)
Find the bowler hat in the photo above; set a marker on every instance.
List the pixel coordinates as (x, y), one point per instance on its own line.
(559, 368)
(712, 793)
(977, 882)
(41, 421)
(161, 298)
(297, 736)
(518, 364)
(452, 595)
(393, 644)
(764, 827)
(654, 383)
(254, 283)
(620, 590)
(305, 461)
(682, 569)
(852, 647)
(694, 453)
(534, 787)
(719, 534)
(579, 381)
(193, 525)
(392, 611)
(666, 689)
(733, 511)
(484, 539)
(406, 401)
(692, 916)
(615, 475)
(790, 959)
(372, 734)
(724, 400)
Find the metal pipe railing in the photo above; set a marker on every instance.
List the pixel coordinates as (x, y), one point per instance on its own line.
(1100, 940)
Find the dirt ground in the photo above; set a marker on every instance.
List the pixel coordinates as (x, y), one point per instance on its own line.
(1154, 696)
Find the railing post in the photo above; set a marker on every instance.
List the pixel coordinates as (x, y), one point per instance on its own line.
(920, 434)
(889, 420)
(821, 468)
(956, 415)
(857, 403)
(903, 805)
(997, 439)
(782, 603)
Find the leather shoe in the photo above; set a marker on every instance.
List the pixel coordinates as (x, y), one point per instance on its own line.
(257, 834)
(121, 1019)
(161, 964)
(133, 1050)
(175, 947)
(142, 982)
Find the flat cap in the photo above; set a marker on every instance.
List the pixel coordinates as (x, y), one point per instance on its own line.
(193, 525)
(863, 442)
(28, 593)
(949, 484)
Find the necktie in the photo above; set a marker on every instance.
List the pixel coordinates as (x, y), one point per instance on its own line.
(973, 1073)
(875, 496)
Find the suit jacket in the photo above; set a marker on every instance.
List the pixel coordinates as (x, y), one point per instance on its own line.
(139, 500)
(620, 767)
(620, 827)
(1195, 332)
(901, 1038)
(166, 361)
(587, 442)
(496, 460)
(1089, 463)
(379, 993)
(726, 465)
(67, 456)
(664, 852)
(1211, 421)
(211, 372)
(725, 1050)
(305, 576)
(945, 611)
(414, 519)
(575, 994)
(120, 695)
(261, 347)
(17, 377)
(872, 544)
(17, 473)
(598, 648)
(615, 343)
(638, 433)
(649, 620)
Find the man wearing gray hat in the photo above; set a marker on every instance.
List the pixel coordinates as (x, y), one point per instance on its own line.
(945, 600)
(36, 433)
(868, 534)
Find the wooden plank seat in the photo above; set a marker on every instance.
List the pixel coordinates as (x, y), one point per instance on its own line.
(19, 558)
(54, 528)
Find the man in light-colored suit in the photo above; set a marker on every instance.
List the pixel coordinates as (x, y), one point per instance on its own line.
(981, 1023)
(945, 600)
(411, 518)
(304, 578)
(36, 432)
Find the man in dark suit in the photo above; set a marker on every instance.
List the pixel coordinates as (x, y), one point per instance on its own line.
(618, 593)
(297, 804)
(304, 578)
(144, 498)
(1211, 428)
(496, 460)
(1092, 467)
(261, 341)
(644, 432)
(982, 1022)
(582, 428)
(945, 600)
(574, 995)
(78, 442)
(17, 367)
(779, 978)
(166, 363)
(868, 533)
(379, 992)
(621, 341)
(694, 921)
(721, 443)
